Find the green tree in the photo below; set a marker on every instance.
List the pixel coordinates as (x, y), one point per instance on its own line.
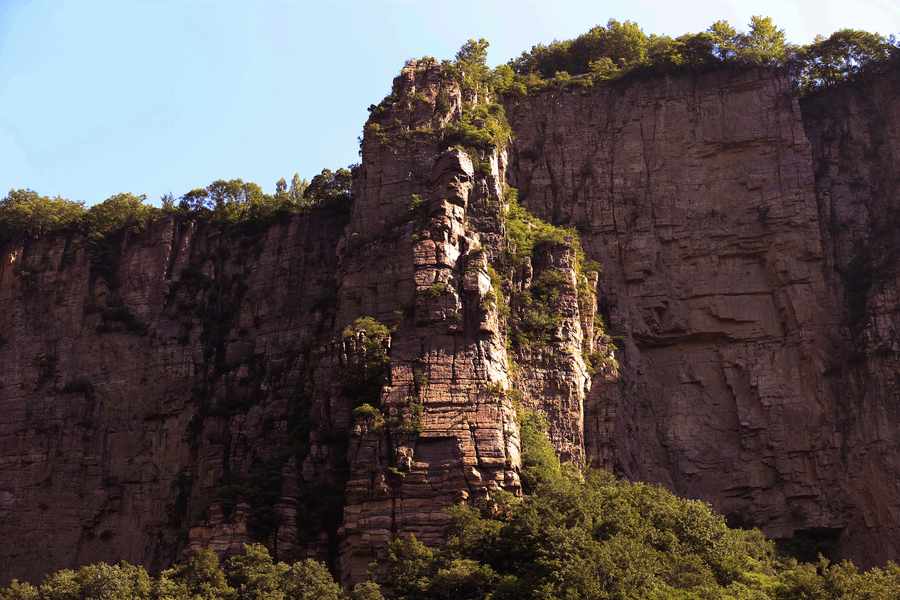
(297, 190)
(255, 576)
(764, 44)
(25, 212)
(471, 61)
(281, 188)
(368, 590)
(841, 56)
(199, 578)
(311, 580)
(102, 581)
(61, 585)
(725, 40)
(19, 590)
(330, 187)
(117, 212)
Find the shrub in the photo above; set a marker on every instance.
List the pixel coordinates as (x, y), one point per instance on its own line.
(369, 413)
(482, 126)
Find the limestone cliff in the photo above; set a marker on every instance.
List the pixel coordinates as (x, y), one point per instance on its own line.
(196, 384)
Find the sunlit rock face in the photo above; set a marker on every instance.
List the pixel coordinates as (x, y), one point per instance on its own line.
(749, 253)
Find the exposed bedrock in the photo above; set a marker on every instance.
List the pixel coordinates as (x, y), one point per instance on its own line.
(749, 272)
(193, 385)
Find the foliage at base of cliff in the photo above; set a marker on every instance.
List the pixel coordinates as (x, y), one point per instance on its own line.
(576, 535)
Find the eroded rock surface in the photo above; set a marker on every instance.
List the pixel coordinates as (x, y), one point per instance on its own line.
(190, 385)
(723, 236)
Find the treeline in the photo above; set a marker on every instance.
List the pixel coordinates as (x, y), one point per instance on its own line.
(611, 51)
(27, 213)
(575, 535)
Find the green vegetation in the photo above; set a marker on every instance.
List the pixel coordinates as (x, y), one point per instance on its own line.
(524, 231)
(118, 212)
(369, 413)
(24, 213)
(415, 202)
(841, 57)
(587, 535)
(532, 311)
(575, 535)
(482, 126)
(619, 48)
(436, 290)
(252, 575)
(411, 420)
(366, 361)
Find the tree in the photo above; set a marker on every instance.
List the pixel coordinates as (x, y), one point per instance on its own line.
(167, 202)
(329, 187)
(471, 60)
(841, 56)
(116, 212)
(20, 590)
(255, 576)
(102, 581)
(724, 39)
(25, 212)
(199, 578)
(764, 44)
(281, 188)
(368, 590)
(297, 190)
(311, 580)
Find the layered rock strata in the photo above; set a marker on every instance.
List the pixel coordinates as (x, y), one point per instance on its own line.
(190, 384)
(726, 217)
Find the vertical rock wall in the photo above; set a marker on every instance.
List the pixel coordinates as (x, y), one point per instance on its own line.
(190, 385)
(698, 195)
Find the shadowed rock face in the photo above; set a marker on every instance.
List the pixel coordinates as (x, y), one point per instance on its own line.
(192, 390)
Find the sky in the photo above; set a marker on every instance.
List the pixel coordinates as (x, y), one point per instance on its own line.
(162, 96)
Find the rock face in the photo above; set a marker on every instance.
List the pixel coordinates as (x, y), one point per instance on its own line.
(198, 385)
(136, 394)
(729, 221)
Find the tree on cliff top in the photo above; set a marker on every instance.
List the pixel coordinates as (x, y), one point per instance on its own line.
(615, 49)
(27, 212)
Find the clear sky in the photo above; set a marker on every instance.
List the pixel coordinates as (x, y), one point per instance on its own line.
(155, 96)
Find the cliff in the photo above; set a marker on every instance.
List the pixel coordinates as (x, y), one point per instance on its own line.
(734, 226)
(197, 384)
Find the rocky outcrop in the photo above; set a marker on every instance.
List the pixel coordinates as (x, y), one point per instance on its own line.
(723, 239)
(427, 226)
(325, 381)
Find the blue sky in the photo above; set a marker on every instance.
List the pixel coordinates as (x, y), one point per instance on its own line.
(156, 96)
